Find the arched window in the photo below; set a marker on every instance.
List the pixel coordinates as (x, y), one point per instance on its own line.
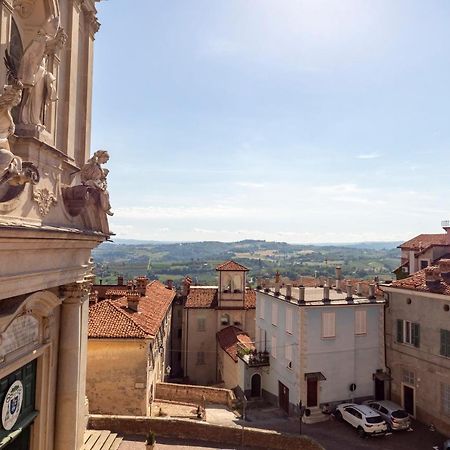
(225, 319)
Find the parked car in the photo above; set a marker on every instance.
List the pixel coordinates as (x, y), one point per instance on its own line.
(396, 418)
(361, 417)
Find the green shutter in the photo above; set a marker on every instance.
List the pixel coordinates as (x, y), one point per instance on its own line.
(415, 329)
(399, 330)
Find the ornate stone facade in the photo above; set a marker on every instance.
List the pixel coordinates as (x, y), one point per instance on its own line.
(51, 216)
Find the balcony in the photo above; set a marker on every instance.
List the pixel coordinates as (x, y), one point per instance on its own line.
(252, 358)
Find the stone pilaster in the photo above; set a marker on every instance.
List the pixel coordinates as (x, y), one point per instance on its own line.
(71, 384)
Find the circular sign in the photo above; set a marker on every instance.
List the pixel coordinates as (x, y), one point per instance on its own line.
(12, 405)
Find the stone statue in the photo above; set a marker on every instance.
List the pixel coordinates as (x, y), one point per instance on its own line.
(12, 170)
(38, 82)
(93, 175)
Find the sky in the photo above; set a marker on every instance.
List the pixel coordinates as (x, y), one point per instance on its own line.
(302, 121)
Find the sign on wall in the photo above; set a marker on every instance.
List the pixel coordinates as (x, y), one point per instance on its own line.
(12, 405)
(22, 331)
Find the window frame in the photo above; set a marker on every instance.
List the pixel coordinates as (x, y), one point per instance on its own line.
(444, 347)
(324, 328)
(362, 322)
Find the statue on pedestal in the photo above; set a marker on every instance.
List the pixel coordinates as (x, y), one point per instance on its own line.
(93, 175)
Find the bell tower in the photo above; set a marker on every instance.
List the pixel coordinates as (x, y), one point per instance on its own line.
(232, 282)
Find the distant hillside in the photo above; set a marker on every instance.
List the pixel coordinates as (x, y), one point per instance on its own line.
(198, 259)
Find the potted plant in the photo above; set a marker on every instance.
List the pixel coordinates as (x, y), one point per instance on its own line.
(150, 441)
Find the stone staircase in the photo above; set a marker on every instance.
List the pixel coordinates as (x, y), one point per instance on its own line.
(100, 440)
(316, 416)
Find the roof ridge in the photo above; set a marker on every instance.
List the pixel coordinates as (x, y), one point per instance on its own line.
(117, 308)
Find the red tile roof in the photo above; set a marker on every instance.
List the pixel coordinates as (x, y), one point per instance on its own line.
(423, 241)
(416, 282)
(113, 318)
(201, 297)
(232, 266)
(229, 337)
(116, 292)
(206, 297)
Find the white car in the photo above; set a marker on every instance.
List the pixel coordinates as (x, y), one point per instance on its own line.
(363, 418)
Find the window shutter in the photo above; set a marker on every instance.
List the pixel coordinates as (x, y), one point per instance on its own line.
(399, 330)
(289, 320)
(416, 334)
(443, 342)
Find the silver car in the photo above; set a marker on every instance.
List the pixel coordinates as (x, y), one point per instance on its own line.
(396, 418)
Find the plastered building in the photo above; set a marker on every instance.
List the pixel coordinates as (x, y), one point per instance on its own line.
(53, 212)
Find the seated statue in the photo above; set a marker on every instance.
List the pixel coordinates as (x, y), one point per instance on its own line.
(93, 175)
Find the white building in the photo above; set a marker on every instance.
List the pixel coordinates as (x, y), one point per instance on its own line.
(325, 346)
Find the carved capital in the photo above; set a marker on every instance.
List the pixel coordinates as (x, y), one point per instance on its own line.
(76, 293)
(45, 200)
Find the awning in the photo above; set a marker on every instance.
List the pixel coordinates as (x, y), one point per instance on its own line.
(315, 376)
(382, 376)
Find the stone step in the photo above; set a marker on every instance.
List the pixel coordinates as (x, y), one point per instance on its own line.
(100, 440)
(316, 416)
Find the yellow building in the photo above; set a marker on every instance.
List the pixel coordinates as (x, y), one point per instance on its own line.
(128, 350)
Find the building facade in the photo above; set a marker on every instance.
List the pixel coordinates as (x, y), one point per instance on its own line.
(418, 344)
(325, 346)
(53, 212)
(129, 350)
(208, 310)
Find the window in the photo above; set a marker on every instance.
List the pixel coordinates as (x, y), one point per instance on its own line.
(445, 343)
(274, 346)
(289, 320)
(361, 321)
(409, 377)
(201, 324)
(261, 309)
(328, 325)
(423, 263)
(179, 333)
(408, 332)
(288, 354)
(200, 358)
(445, 399)
(225, 319)
(274, 314)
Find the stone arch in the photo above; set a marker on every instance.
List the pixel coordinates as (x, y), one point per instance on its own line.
(42, 303)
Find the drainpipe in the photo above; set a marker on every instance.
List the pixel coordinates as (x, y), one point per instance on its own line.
(385, 350)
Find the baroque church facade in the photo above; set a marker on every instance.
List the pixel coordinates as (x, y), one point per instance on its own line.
(53, 211)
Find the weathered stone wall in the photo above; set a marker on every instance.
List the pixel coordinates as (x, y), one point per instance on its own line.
(186, 429)
(194, 394)
(116, 384)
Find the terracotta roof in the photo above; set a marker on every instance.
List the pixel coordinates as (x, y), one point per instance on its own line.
(202, 297)
(416, 282)
(206, 297)
(229, 337)
(116, 292)
(232, 266)
(423, 241)
(113, 318)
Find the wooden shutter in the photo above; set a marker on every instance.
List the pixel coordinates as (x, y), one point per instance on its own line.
(415, 334)
(399, 330)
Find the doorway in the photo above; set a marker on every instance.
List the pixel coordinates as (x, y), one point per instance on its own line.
(408, 399)
(283, 397)
(256, 385)
(379, 389)
(311, 398)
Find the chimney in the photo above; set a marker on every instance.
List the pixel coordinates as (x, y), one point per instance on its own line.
(277, 277)
(330, 282)
(169, 284)
(326, 293)
(446, 226)
(186, 286)
(338, 279)
(133, 298)
(349, 291)
(432, 277)
(120, 280)
(301, 294)
(444, 269)
(288, 291)
(141, 284)
(359, 289)
(371, 291)
(277, 289)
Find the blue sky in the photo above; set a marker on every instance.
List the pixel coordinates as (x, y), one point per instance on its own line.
(292, 120)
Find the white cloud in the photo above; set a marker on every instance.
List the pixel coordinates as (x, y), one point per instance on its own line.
(369, 156)
(250, 185)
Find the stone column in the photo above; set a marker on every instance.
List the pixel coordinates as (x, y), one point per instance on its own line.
(71, 380)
